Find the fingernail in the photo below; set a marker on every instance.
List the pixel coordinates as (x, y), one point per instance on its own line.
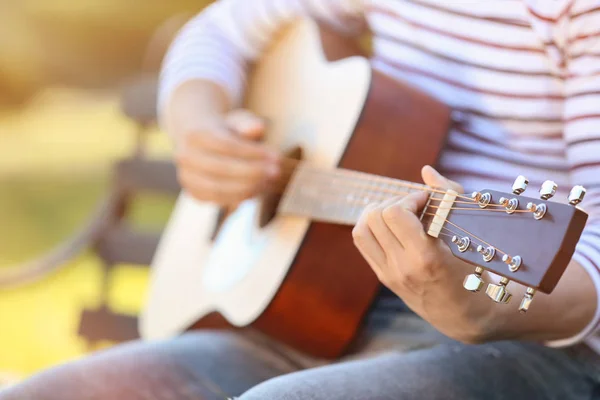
(256, 126)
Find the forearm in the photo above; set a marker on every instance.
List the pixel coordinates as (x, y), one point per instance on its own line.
(197, 101)
(560, 315)
(220, 43)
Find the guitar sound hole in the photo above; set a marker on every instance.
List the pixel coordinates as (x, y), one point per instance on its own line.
(270, 200)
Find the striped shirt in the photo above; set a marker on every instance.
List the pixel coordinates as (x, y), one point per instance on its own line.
(523, 74)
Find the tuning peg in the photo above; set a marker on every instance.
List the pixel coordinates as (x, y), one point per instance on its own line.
(520, 184)
(577, 194)
(538, 210)
(548, 190)
(482, 199)
(498, 292)
(487, 253)
(462, 243)
(527, 299)
(474, 282)
(510, 205)
(514, 263)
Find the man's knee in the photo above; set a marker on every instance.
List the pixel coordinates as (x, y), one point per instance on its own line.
(286, 387)
(131, 371)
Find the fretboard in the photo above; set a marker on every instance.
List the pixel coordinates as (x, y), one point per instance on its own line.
(339, 196)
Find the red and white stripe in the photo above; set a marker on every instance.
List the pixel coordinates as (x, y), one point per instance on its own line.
(524, 74)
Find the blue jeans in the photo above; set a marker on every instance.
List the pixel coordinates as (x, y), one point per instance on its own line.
(400, 358)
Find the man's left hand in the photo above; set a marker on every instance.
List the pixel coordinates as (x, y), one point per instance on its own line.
(420, 269)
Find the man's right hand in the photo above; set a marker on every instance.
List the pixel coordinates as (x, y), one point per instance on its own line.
(222, 160)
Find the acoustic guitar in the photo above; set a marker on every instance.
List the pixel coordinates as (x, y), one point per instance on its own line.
(285, 263)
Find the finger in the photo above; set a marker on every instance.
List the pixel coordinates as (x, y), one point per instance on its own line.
(434, 179)
(402, 220)
(246, 124)
(367, 244)
(217, 165)
(216, 190)
(222, 141)
(382, 233)
(374, 266)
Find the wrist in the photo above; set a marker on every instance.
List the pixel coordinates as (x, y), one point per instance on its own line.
(194, 106)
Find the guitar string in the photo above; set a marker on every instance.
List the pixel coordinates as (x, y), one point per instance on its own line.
(381, 195)
(369, 178)
(470, 234)
(378, 191)
(449, 230)
(451, 223)
(364, 180)
(371, 185)
(456, 234)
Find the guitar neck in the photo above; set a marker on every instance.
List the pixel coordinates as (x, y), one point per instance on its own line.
(339, 196)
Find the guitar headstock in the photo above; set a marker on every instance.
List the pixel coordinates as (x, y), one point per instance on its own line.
(522, 239)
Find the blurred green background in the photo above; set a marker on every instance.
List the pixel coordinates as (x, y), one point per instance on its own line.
(62, 65)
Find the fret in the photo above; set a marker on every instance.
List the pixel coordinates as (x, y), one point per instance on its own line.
(338, 196)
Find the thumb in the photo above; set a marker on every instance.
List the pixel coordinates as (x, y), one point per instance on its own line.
(246, 124)
(434, 179)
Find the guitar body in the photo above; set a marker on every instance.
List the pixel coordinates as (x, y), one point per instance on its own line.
(301, 282)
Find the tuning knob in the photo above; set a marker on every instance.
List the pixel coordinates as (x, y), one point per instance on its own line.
(498, 292)
(462, 243)
(548, 190)
(577, 194)
(487, 253)
(514, 263)
(474, 282)
(527, 299)
(520, 184)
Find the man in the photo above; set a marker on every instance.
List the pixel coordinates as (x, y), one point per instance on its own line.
(525, 74)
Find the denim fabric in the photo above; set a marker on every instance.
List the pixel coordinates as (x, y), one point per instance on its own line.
(397, 357)
(495, 371)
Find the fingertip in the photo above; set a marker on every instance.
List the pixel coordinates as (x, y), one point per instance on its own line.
(428, 172)
(246, 124)
(427, 169)
(253, 129)
(432, 177)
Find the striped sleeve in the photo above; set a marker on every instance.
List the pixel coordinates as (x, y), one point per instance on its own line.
(220, 42)
(582, 132)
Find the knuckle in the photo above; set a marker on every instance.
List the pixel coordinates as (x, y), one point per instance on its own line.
(426, 259)
(181, 158)
(187, 162)
(183, 178)
(200, 194)
(385, 281)
(359, 233)
(373, 215)
(409, 279)
(247, 192)
(189, 139)
(390, 213)
(356, 234)
(197, 139)
(256, 172)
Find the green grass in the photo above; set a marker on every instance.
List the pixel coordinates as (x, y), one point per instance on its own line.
(37, 213)
(55, 169)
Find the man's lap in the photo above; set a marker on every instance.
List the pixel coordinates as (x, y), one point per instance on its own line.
(214, 365)
(495, 371)
(200, 365)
